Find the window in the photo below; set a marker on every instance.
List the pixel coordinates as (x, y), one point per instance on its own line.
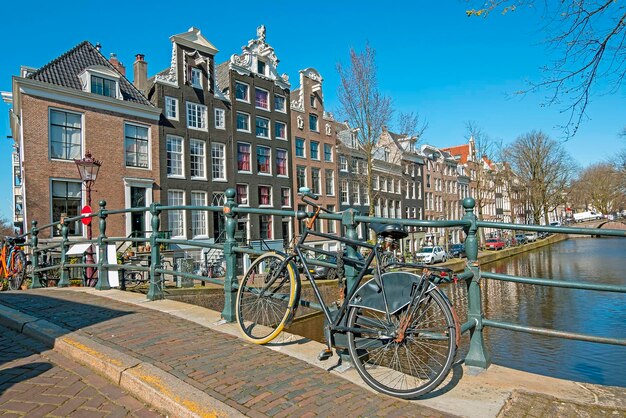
(220, 118)
(328, 153)
(67, 200)
(197, 159)
(313, 123)
(343, 189)
(376, 182)
(199, 225)
(241, 92)
(315, 150)
(176, 218)
(280, 130)
(263, 160)
(343, 163)
(279, 103)
(387, 154)
(330, 182)
(285, 197)
(261, 67)
(265, 227)
(281, 162)
(356, 198)
(218, 161)
(103, 86)
(243, 157)
(136, 145)
(354, 166)
(316, 181)
(265, 195)
(366, 196)
(17, 176)
(196, 116)
(171, 108)
(65, 135)
(243, 122)
(242, 194)
(174, 148)
(301, 176)
(300, 148)
(262, 127)
(261, 99)
(195, 77)
(313, 100)
(331, 224)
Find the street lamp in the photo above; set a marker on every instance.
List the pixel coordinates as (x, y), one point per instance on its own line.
(88, 169)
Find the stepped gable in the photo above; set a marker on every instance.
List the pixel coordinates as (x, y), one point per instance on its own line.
(64, 71)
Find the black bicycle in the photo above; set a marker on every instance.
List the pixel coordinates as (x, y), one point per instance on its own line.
(399, 327)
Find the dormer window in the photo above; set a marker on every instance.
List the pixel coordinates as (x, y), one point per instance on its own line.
(195, 77)
(103, 86)
(261, 67)
(102, 81)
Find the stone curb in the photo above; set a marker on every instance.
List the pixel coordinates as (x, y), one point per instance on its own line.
(145, 381)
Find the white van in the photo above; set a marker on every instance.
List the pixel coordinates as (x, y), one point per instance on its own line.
(587, 216)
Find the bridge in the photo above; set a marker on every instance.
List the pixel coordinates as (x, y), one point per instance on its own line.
(619, 224)
(151, 339)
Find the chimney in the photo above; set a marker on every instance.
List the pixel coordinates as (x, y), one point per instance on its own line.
(140, 73)
(117, 64)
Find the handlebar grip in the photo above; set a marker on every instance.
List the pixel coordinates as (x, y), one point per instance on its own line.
(306, 192)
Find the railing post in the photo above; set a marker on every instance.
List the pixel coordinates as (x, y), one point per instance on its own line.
(230, 280)
(350, 224)
(64, 281)
(34, 242)
(155, 290)
(103, 272)
(477, 355)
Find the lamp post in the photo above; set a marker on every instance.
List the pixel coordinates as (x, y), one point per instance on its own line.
(88, 169)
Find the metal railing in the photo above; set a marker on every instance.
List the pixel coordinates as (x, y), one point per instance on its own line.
(477, 355)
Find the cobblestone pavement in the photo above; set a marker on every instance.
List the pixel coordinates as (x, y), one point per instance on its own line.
(38, 382)
(253, 380)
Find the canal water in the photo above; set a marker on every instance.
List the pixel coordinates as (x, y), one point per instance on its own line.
(597, 260)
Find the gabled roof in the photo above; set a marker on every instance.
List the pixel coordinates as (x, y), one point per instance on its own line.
(65, 69)
(193, 38)
(462, 151)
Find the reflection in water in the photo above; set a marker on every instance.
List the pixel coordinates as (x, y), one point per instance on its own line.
(581, 311)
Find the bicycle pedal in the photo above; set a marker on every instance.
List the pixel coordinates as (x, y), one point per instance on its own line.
(325, 354)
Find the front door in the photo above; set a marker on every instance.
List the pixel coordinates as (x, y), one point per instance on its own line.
(138, 219)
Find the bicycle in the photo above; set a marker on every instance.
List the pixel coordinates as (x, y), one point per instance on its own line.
(13, 262)
(400, 329)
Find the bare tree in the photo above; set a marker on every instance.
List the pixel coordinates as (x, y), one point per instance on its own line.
(544, 167)
(365, 108)
(6, 228)
(601, 186)
(589, 38)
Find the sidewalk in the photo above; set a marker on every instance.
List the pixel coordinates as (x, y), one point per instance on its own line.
(186, 362)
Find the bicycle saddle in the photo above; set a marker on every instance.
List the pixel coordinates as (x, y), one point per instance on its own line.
(394, 231)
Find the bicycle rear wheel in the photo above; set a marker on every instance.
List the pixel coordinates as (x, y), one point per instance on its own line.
(266, 298)
(405, 367)
(18, 267)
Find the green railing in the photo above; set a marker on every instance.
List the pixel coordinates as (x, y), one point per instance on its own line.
(477, 355)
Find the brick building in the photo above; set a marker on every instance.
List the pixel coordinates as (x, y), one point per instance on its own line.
(81, 102)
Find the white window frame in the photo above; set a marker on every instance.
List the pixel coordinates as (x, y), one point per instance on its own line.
(169, 101)
(247, 92)
(344, 191)
(271, 196)
(82, 135)
(268, 99)
(180, 213)
(284, 138)
(303, 147)
(195, 77)
(282, 189)
(247, 115)
(286, 162)
(269, 128)
(181, 154)
(220, 118)
(247, 186)
(204, 230)
(148, 146)
(284, 109)
(201, 113)
(343, 163)
(257, 160)
(318, 158)
(221, 158)
(330, 192)
(193, 141)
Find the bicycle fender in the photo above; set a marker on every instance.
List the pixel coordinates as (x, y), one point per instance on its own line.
(296, 302)
(398, 285)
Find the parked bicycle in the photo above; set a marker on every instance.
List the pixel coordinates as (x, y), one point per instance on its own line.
(399, 327)
(13, 262)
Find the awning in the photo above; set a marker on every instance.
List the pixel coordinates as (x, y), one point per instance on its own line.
(78, 249)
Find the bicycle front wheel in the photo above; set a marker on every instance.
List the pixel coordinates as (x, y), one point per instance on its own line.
(18, 268)
(266, 298)
(413, 364)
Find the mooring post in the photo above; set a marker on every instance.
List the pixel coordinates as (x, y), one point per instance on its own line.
(230, 280)
(103, 271)
(155, 289)
(477, 355)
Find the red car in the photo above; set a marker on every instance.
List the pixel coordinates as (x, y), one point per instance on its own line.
(494, 244)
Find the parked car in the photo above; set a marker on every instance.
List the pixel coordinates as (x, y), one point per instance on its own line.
(430, 255)
(330, 273)
(520, 239)
(531, 236)
(494, 244)
(457, 250)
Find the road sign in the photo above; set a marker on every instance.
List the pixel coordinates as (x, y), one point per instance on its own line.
(86, 210)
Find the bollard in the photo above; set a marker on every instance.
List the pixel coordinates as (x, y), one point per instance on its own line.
(350, 224)
(103, 272)
(155, 290)
(34, 241)
(230, 280)
(477, 355)
(64, 281)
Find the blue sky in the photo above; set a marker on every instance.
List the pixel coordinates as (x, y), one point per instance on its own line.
(432, 59)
